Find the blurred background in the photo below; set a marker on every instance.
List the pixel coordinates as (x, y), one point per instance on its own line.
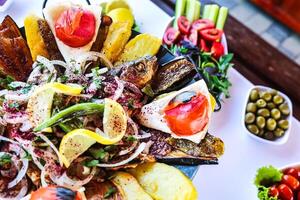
(276, 21)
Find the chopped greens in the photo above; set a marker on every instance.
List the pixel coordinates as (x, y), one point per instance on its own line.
(267, 176)
(4, 82)
(131, 138)
(263, 194)
(5, 159)
(110, 192)
(91, 163)
(98, 153)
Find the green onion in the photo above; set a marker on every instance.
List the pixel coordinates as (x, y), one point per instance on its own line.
(223, 12)
(213, 13)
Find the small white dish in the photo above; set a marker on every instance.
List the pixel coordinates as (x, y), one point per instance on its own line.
(278, 141)
(5, 5)
(293, 165)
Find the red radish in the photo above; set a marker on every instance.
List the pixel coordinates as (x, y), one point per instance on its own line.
(202, 24)
(217, 50)
(211, 34)
(285, 193)
(170, 36)
(183, 25)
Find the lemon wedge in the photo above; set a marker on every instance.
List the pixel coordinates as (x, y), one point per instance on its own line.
(114, 4)
(40, 102)
(122, 15)
(212, 101)
(78, 141)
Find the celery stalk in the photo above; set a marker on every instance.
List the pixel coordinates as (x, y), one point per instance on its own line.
(179, 10)
(190, 10)
(197, 11)
(223, 12)
(206, 11)
(213, 13)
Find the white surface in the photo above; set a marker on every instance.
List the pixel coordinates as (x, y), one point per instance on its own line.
(232, 179)
(286, 135)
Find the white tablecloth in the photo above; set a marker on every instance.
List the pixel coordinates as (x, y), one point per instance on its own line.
(232, 179)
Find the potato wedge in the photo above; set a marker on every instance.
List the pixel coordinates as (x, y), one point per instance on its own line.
(164, 182)
(140, 46)
(117, 37)
(129, 187)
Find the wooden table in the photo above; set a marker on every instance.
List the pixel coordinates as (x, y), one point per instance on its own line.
(257, 60)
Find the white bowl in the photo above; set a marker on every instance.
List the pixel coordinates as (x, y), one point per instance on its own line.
(278, 141)
(6, 5)
(293, 165)
(223, 40)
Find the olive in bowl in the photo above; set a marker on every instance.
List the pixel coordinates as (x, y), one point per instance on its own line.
(267, 116)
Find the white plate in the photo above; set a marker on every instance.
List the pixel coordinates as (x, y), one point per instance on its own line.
(286, 135)
(6, 5)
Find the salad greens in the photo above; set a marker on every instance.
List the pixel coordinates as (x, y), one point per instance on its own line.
(5, 159)
(263, 194)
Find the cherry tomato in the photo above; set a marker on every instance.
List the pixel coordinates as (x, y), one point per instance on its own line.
(188, 118)
(273, 191)
(285, 193)
(211, 34)
(291, 181)
(204, 46)
(193, 37)
(55, 193)
(183, 25)
(171, 36)
(217, 50)
(75, 27)
(202, 24)
(293, 172)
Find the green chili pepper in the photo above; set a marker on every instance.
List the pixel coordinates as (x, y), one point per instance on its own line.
(73, 111)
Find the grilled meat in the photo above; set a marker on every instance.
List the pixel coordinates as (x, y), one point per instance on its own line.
(15, 57)
(138, 72)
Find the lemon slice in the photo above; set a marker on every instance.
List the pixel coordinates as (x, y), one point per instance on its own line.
(40, 102)
(114, 4)
(212, 101)
(122, 15)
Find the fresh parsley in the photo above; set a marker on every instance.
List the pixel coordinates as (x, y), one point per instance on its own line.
(98, 153)
(131, 138)
(91, 163)
(5, 159)
(110, 192)
(4, 82)
(263, 194)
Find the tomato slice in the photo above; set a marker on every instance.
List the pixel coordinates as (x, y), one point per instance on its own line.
(211, 34)
(217, 50)
(75, 27)
(204, 46)
(171, 35)
(188, 118)
(183, 25)
(202, 24)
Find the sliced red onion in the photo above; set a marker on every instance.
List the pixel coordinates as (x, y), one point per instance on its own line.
(43, 177)
(134, 126)
(60, 63)
(144, 135)
(21, 194)
(15, 118)
(17, 97)
(26, 126)
(137, 152)
(8, 140)
(92, 56)
(20, 175)
(128, 150)
(119, 90)
(148, 145)
(47, 63)
(3, 92)
(43, 137)
(132, 87)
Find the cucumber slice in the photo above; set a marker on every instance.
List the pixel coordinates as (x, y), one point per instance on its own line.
(223, 12)
(206, 11)
(179, 10)
(190, 10)
(213, 13)
(197, 11)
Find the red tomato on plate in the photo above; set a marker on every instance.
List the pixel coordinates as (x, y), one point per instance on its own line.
(75, 27)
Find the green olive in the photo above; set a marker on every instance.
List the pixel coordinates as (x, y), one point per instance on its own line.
(260, 122)
(253, 129)
(261, 132)
(273, 92)
(260, 103)
(284, 108)
(284, 124)
(271, 105)
(263, 112)
(269, 136)
(249, 118)
(254, 95)
(251, 107)
(277, 99)
(265, 95)
(275, 113)
(271, 124)
(278, 132)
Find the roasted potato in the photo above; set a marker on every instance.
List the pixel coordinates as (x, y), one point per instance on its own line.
(164, 182)
(140, 46)
(117, 37)
(129, 188)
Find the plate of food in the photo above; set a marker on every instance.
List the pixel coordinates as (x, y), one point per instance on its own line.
(92, 109)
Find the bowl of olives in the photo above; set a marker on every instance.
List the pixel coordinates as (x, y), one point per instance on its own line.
(268, 115)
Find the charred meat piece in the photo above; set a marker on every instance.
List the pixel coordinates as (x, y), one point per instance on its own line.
(138, 72)
(15, 57)
(49, 40)
(98, 191)
(172, 72)
(106, 21)
(181, 151)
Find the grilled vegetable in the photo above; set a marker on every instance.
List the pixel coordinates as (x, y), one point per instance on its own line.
(164, 182)
(138, 72)
(106, 21)
(129, 187)
(140, 46)
(15, 60)
(118, 35)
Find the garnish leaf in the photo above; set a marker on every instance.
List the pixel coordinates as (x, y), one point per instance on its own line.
(263, 194)
(110, 192)
(267, 176)
(5, 159)
(91, 163)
